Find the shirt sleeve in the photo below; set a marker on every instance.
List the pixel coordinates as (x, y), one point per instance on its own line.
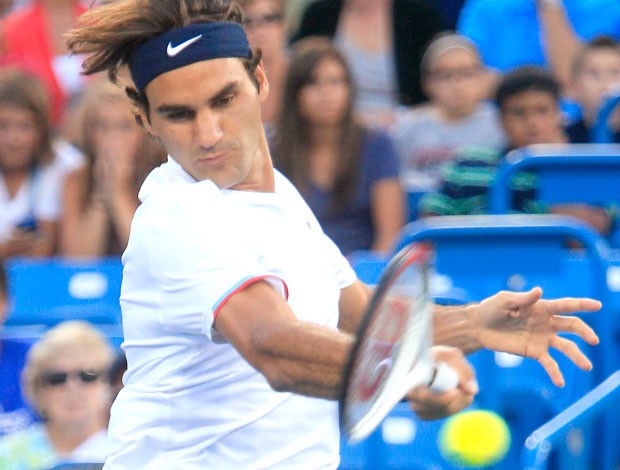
(199, 259)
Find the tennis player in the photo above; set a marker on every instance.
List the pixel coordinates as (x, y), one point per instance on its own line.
(238, 312)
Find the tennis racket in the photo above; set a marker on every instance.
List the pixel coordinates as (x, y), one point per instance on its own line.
(391, 353)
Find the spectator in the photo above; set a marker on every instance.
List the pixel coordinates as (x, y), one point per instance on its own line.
(32, 168)
(266, 29)
(32, 37)
(384, 64)
(528, 99)
(101, 197)
(596, 71)
(14, 413)
(64, 380)
(347, 173)
(426, 137)
(513, 33)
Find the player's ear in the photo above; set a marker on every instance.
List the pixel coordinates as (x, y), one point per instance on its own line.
(142, 118)
(261, 79)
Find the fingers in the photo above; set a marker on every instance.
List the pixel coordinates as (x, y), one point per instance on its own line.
(552, 369)
(572, 351)
(431, 405)
(456, 360)
(571, 305)
(575, 326)
(428, 405)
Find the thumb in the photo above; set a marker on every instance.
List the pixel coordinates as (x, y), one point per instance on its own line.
(525, 299)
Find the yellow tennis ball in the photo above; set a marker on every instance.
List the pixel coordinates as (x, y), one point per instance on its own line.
(476, 438)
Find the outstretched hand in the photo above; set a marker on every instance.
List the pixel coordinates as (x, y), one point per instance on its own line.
(525, 324)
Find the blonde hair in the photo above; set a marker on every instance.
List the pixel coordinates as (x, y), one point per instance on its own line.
(68, 338)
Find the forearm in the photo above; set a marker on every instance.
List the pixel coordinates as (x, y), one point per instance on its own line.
(86, 235)
(456, 326)
(306, 358)
(560, 41)
(294, 356)
(122, 209)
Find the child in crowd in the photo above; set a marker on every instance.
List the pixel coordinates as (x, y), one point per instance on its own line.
(426, 137)
(528, 99)
(347, 173)
(32, 168)
(596, 71)
(100, 198)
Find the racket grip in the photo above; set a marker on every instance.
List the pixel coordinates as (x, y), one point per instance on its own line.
(445, 378)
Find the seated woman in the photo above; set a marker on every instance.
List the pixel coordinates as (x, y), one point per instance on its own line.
(347, 173)
(32, 168)
(100, 198)
(65, 382)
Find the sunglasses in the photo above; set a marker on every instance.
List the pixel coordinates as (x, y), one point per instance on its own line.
(263, 20)
(54, 379)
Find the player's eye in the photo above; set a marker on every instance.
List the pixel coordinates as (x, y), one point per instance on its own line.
(224, 100)
(180, 115)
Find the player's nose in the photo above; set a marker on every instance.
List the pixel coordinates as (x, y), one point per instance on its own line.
(208, 129)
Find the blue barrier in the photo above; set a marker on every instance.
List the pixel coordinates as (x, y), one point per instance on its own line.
(604, 398)
(602, 132)
(570, 173)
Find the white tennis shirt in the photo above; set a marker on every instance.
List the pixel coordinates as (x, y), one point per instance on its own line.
(190, 400)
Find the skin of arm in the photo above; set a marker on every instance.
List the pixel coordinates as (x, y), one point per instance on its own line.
(596, 217)
(309, 359)
(388, 208)
(562, 44)
(84, 227)
(39, 243)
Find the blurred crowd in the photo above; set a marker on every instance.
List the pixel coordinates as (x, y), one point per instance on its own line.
(368, 100)
(428, 104)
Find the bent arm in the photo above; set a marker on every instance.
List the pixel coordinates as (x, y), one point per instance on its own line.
(293, 355)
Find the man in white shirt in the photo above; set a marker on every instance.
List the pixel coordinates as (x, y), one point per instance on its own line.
(238, 312)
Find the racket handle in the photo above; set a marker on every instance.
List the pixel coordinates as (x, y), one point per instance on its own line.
(445, 378)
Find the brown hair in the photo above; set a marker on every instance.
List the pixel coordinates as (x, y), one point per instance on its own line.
(110, 34)
(598, 43)
(290, 145)
(21, 90)
(150, 154)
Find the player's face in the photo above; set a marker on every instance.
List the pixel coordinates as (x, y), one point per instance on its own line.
(455, 82)
(207, 116)
(19, 137)
(324, 99)
(532, 117)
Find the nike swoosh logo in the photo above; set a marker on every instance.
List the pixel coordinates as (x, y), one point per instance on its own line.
(174, 50)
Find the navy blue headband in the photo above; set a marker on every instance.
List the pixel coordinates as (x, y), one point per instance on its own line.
(184, 46)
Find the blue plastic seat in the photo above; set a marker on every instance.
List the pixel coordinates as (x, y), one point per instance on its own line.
(569, 173)
(48, 291)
